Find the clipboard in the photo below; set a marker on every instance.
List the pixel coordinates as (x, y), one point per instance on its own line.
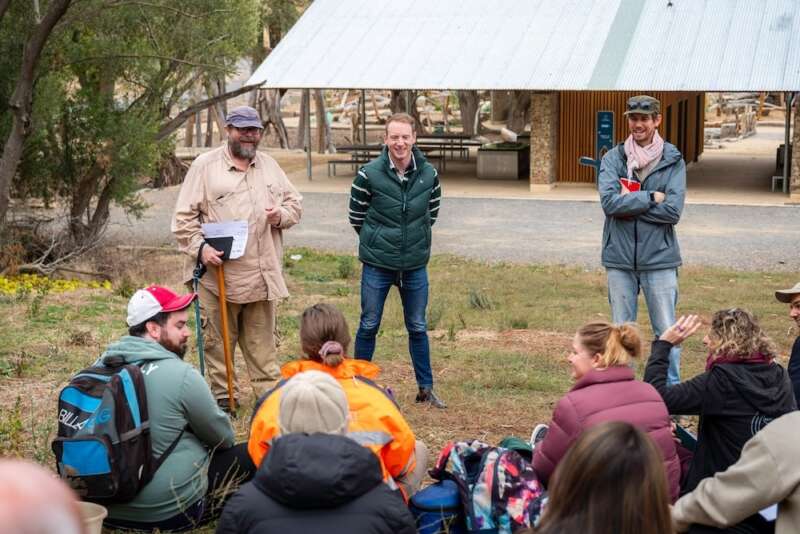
(221, 243)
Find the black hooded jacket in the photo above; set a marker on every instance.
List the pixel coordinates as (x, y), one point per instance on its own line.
(317, 483)
(734, 401)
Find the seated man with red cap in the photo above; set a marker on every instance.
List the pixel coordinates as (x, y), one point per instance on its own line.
(181, 407)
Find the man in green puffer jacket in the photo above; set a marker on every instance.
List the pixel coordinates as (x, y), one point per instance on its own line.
(181, 407)
(394, 201)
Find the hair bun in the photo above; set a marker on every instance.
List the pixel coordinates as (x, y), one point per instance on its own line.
(630, 338)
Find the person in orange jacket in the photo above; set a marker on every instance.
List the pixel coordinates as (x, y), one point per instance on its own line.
(375, 419)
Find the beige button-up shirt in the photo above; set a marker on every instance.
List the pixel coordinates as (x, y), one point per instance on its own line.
(216, 191)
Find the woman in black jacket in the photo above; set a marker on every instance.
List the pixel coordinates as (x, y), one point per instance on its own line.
(315, 479)
(741, 390)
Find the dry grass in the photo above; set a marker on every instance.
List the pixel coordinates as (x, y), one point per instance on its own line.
(499, 368)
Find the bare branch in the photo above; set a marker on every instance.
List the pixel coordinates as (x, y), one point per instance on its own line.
(170, 8)
(220, 68)
(173, 124)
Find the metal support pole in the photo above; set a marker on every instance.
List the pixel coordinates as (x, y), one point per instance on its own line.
(786, 160)
(408, 101)
(364, 116)
(308, 133)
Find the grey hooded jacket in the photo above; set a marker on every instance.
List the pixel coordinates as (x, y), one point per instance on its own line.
(177, 398)
(639, 234)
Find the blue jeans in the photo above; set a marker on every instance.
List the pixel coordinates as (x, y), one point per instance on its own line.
(660, 290)
(413, 287)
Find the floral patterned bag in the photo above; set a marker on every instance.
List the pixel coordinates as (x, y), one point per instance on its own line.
(499, 489)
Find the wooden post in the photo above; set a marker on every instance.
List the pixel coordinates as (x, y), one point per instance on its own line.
(786, 160)
(308, 132)
(226, 345)
(363, 116)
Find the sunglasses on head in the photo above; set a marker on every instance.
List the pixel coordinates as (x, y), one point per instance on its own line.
(639, 105)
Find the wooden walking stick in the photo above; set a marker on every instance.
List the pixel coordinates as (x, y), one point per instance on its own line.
(226, 346)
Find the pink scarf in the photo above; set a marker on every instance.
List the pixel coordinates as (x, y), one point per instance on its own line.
(640, 157)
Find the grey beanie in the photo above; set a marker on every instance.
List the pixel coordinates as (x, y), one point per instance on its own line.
(313, 401)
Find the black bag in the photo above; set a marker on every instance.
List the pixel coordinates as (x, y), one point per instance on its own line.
(103, 448)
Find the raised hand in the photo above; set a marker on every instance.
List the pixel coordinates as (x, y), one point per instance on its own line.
(684, 327)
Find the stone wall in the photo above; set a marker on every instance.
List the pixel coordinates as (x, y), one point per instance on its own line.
(544, 140)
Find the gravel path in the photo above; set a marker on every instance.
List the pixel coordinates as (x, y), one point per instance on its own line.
(535, 231)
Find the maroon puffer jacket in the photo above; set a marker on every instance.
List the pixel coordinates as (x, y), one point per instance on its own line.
(608, 395)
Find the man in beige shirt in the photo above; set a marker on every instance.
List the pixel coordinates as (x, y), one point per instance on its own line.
(767, 473)
(235, 182)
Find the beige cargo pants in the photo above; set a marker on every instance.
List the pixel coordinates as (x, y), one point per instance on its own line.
(252, 326)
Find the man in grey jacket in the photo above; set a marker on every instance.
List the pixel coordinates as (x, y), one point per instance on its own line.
(181, 407)
(642, 186)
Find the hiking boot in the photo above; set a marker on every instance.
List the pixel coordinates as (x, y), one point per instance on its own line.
(538, 434)
(427, 395)
(225, 405)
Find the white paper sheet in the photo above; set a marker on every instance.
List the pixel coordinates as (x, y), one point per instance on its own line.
(770, 513)
(237, 229)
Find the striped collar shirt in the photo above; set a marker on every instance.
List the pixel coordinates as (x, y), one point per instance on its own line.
(403, 175)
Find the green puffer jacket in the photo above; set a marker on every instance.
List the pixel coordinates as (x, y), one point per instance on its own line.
(177, 398)
(396, 231)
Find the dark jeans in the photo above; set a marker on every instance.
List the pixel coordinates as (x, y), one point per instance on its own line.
(413, 287)
(228, 469)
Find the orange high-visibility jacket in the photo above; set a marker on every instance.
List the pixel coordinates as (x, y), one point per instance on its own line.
(375, 420)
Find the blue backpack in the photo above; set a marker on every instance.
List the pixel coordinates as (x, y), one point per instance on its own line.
(103, 448)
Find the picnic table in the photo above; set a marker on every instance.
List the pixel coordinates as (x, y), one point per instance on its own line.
(451, 142)
(364, 153)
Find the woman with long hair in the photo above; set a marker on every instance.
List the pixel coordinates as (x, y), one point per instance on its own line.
(741, 390)
(605, 389)
(611, 481)
(376, 421)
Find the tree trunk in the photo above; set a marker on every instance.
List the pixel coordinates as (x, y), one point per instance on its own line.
(324, 140)
(198, 129)
(397, 102)
(300, 139)
(398, 105)
(21, 102)
(188, 138)
(519, 114)
(171, 171)
(3, 8)
(80, 203)
(446, 112)
(269, 105)
(468, 103)
(209, 128)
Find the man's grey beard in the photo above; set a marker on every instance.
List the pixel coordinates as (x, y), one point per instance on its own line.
(242, 152)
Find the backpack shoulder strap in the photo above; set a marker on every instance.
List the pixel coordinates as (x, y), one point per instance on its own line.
(160, 460)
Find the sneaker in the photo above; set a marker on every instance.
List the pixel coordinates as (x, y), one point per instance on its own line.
(538, 434)
(225, 405)
(427, 395)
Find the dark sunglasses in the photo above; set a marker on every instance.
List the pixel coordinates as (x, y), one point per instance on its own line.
(641, 105)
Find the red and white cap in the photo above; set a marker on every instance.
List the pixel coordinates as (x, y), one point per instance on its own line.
(149, 301)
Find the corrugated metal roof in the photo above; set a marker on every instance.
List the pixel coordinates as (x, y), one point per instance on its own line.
(703, 45)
